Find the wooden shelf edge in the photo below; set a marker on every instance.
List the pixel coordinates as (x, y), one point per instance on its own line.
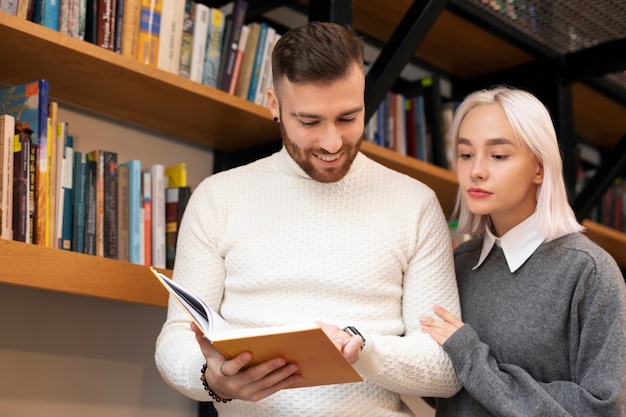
(69, 272)
(88, 76)
(442, 181)
(612, 240)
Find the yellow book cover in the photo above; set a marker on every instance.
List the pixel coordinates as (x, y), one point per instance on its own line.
(130, 27)
(149, 28)
(53, 111)
(319, 360)
(177, 175)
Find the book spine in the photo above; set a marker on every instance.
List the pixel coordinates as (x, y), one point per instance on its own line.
(66, 208)
(186, 42)
(238, 16)
(8, 6)
(149, 28)
(106, 23)
(109, 228)
(258, 61)
(213, 53)
(171, 229)
(90, 206)
(245, 31)
(130, 27)
(79, 195)
(122, 213)
(265, 76)
(200, 33)
(170, 35)
(243, 82)
(158, 215)
(7, 134)
(134, 213)
(91, 21)
(47, 13)
(176, 175)
(146, 198)
(21, 187)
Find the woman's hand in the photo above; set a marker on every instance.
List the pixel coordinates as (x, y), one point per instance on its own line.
(229, 379)
(441, 330)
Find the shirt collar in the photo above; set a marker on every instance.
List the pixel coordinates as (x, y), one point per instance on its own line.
(517, 244)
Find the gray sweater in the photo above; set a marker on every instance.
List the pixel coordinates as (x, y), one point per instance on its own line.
(547, 340)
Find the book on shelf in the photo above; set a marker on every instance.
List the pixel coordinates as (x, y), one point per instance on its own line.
(157, 173)
(213, 52)
(259, 58)
(79, 195)
(241, 49)
(130, 27)
(319, 360)
(237, 19)
(91, 209)
(69, 17)
(28, 103)
(176, 175)
(91, 21)
(170, 35)
(247, 62)
(118, 25)
(202, 14)
(146, 216)
(123, 213)
(22, 221)
(176, 199)
(65, 198)
(7, 135)
(186, 43)
(50, 195)
(149, 29)
(23, 7)
(134, 212)
(265, 75)
(106, 202)
(46, 13)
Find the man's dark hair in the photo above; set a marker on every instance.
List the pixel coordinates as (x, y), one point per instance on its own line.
(316, 52)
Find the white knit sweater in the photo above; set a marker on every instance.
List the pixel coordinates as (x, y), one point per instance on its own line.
(265, 245)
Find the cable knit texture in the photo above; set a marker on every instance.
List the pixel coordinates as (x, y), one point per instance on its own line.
(265, 245)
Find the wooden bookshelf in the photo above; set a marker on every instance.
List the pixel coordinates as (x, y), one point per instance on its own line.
(75, 273)
(88, 76)
(105, 82)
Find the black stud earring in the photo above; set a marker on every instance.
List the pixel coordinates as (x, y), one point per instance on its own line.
(276, 118)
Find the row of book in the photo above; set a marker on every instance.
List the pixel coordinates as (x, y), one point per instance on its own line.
(208, 45)
(54, 195)
(406, 125)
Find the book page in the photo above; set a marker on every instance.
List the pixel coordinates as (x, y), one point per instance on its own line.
(207, 319)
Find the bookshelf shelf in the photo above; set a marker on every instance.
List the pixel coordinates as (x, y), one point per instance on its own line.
(88, 76)
(92, 77)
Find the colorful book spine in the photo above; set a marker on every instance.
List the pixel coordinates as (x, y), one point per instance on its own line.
(213, 51)
(149, 27)
(237, 17)
(65, 207)
(134, 212)
(130, 27)
(176, 175)
(258, 61)
(21, 187)
(78, 197)
(110, 239)
(266, 66)
(245, 73)
(122, 213)
(146, 209)
(46, 13)
(245, 31)
(7, 134)
(91, 197)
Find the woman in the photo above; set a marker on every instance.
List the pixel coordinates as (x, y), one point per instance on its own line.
(544, 321)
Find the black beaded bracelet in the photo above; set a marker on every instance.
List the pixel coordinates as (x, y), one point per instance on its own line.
(209, 390)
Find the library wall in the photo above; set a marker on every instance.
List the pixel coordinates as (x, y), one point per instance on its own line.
(71, 356)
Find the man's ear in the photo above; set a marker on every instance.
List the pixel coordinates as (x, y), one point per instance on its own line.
(272, 103)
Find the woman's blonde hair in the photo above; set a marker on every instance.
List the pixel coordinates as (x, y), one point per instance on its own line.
(533, 126)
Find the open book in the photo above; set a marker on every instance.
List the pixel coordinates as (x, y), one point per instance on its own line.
(318, 359)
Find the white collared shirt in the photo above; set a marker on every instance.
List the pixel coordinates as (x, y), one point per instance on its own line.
(517, 244)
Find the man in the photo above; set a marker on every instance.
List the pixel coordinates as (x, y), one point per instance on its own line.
(315, 232)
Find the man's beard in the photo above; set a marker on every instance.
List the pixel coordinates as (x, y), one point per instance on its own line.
(303, 157)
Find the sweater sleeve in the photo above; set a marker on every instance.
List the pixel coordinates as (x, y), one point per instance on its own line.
(597, 362)
(413, 364)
